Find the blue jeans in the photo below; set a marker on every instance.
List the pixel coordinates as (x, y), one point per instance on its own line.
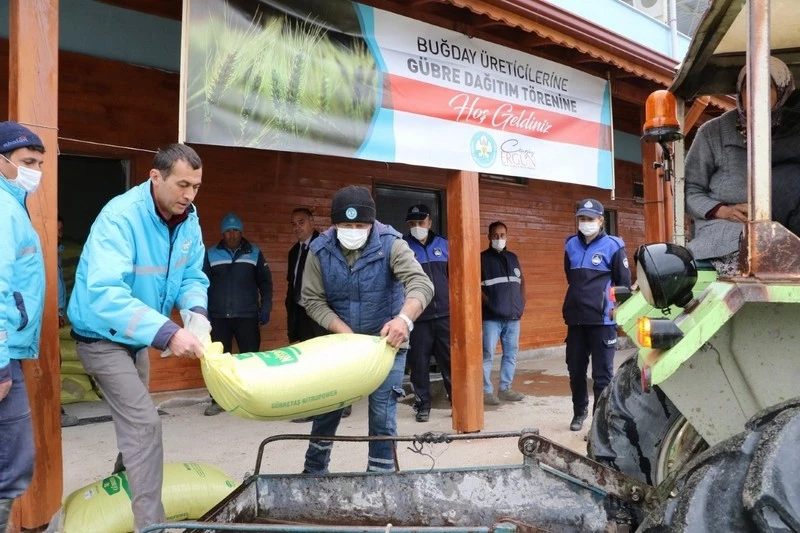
(382, 421)
(16, 438)
(507, 331)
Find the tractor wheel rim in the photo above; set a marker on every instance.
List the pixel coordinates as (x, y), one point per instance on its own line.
(680, 444)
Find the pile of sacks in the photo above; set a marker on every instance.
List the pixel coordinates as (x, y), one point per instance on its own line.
(76, 386)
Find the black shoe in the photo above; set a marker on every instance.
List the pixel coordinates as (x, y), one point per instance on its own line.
(119, 466)
(423, 415)
(347, 411)
(302, 420)
(577, 421)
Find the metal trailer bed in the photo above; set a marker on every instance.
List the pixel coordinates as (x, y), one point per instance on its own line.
(553, 489)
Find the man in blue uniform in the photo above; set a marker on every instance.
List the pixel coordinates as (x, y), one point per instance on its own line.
(431, 333)
(593, 261)
(22, 289)
(143, 257)
(239, 294)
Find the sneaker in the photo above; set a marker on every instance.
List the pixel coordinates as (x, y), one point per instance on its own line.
(577, 421)
(69, 420)
(347, 411)
(423, 415)
(510, 395)
(490, 399)
(213, 409)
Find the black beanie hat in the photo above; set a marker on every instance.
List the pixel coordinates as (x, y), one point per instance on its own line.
(352, 204)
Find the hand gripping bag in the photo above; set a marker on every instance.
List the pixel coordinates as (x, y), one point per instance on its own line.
(309, 378)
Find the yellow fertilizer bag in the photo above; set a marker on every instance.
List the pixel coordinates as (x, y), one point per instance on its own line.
(309, 378)
(189, 491)
(77, 388)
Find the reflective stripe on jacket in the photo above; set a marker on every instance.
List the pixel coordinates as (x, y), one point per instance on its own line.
(134, 270)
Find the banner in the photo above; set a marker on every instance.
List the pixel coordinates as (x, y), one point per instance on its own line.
(336, 77)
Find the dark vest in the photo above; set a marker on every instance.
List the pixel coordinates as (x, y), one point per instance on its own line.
(367, 295)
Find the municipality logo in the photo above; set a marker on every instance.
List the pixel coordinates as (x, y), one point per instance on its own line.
(351, 213)
(483, 149)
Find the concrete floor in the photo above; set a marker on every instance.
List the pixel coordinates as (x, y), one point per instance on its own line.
(231, 443)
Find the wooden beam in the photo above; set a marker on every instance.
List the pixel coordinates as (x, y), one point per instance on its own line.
(33, 101)
(694, 113)
(463, 228)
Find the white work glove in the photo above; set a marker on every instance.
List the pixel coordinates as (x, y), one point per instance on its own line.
(197, 325)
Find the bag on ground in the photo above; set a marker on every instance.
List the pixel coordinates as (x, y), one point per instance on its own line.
(189, 491)
(309, 378)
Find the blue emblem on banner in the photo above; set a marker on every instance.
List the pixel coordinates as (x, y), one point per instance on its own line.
(483, 149)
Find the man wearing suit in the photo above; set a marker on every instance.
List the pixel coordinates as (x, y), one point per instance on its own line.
(299, 326)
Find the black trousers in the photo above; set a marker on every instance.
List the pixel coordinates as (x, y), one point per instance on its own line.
(300, 327)
(583, 342)
(245, 330)
(430, 337)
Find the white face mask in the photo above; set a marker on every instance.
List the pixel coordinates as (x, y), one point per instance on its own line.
(352, 238)
(498, 244)
(27, 179)
(419, 233)
(589, 228)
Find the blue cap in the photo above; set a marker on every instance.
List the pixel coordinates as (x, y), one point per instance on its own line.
(231, 221)
(590, 208)
(14, 136)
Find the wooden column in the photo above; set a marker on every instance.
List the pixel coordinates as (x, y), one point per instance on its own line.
(33, 101)
(463, 228)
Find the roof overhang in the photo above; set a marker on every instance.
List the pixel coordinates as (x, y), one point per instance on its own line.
(717, 52)
(563, 28)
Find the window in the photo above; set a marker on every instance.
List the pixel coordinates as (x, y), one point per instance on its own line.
(610, 217)
(392, 203)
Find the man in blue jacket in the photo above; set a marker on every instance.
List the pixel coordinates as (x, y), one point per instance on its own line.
(593, 262)
(503, 299)
(22, 290)
(431, 333)
(144, 256)
(239, 294)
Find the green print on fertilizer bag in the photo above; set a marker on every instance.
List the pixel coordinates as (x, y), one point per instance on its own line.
(284, 356)
(113, 484)
(273, 81)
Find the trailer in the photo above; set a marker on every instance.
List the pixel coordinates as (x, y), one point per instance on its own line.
(551, 489)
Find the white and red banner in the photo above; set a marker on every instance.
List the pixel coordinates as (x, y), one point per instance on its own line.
(340, 78)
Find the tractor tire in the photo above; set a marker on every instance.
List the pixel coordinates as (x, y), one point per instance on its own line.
(631, 427)
(748, 483)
